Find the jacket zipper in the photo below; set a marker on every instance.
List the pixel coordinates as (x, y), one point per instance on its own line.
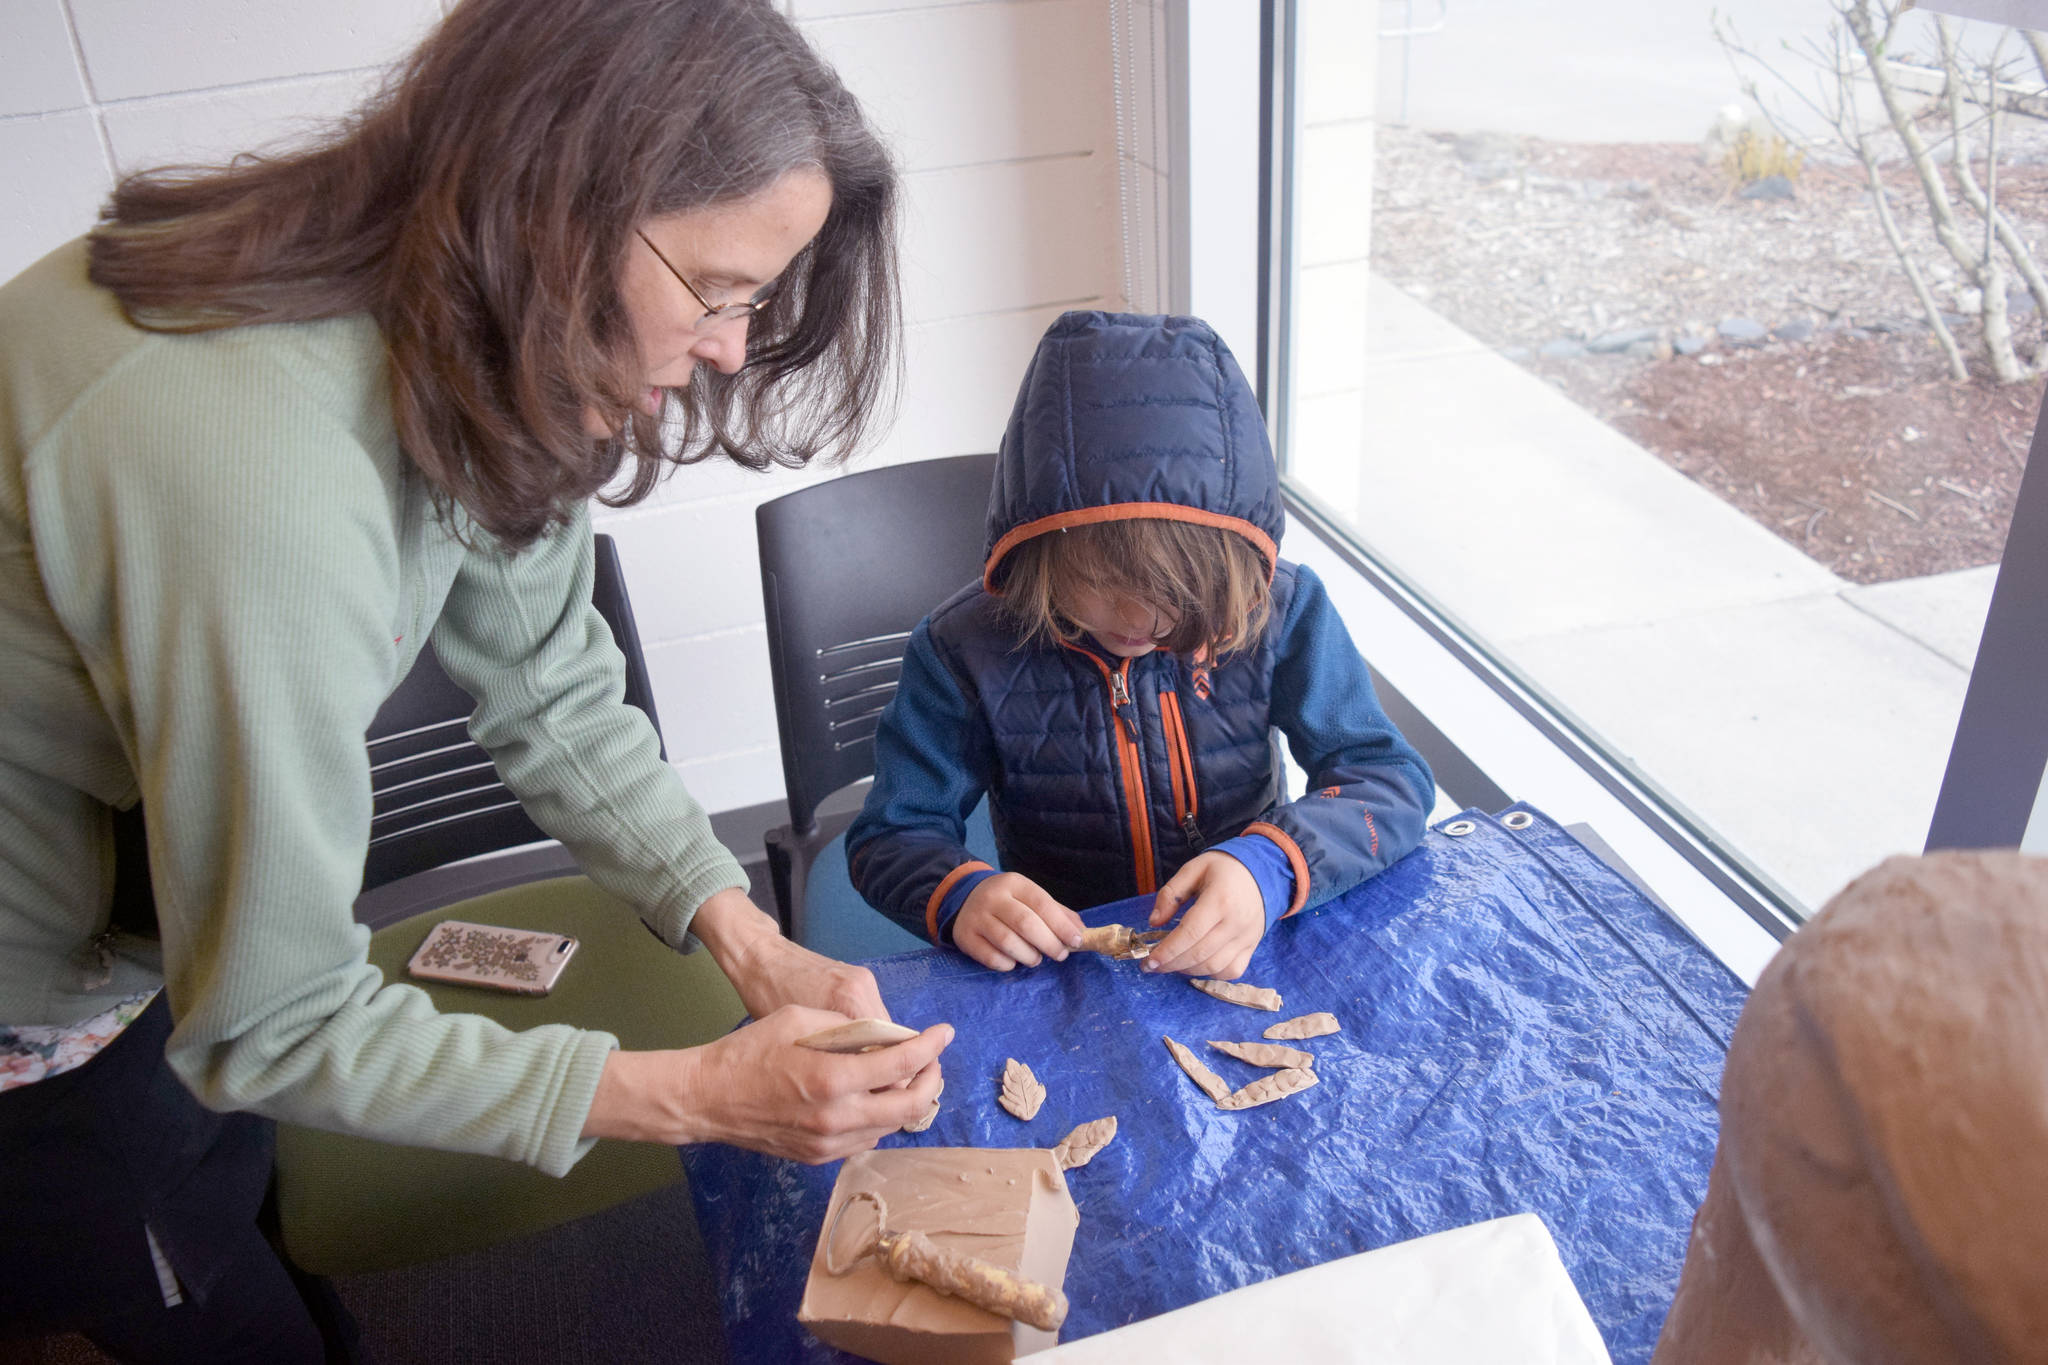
(1130, 768)
(1180, 761)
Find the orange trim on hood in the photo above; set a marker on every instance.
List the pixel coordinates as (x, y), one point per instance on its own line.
(1128, 511)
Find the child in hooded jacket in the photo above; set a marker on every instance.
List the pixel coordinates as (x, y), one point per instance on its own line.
(1112, 681)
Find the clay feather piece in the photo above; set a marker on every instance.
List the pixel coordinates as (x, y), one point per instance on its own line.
(918, 1125)
(1079, 1147)
(1211, 1084)
(1266, 1089)
(1237, 993)
(857, 1035)
(1267, 1054)
(1307, 1026)
(1022, 1094)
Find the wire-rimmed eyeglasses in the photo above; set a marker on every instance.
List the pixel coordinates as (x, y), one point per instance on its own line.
(714, 314)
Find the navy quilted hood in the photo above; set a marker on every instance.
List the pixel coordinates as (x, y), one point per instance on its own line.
(1133, 415)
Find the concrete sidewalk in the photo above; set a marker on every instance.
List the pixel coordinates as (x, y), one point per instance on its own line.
(1805, 719)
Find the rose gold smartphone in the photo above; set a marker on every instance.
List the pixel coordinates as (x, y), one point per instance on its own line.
(522, 961)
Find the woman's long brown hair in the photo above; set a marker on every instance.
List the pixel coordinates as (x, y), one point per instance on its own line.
(479, 209)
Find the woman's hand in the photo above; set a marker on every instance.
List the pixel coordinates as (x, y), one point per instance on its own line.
(769, 971)
(755, 1088)
(1009, 919)
(1221, 931)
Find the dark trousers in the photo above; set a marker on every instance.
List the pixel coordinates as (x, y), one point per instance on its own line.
(90, 1158)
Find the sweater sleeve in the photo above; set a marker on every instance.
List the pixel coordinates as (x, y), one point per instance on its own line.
(223, 551)
(520, 635)
(907, 850)
(1369, 792)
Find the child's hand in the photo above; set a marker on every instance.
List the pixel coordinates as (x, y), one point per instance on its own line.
(1219, 934)
(1010, 919)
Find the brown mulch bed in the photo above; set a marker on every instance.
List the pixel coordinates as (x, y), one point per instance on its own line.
(1846, 438)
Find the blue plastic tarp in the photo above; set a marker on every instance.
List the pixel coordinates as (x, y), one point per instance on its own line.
(1522, 1032)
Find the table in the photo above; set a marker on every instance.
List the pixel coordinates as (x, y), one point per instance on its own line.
(1523, 1032)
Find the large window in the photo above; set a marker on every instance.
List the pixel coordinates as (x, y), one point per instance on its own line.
(1681, 364)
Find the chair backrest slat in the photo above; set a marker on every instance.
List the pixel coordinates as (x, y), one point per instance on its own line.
(435, 794)
(848, 569)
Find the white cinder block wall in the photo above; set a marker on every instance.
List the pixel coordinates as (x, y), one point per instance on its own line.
(1001, 115)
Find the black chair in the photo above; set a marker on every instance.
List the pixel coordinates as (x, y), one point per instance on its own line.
(349, 1205)
(848, 569)
(437, 798)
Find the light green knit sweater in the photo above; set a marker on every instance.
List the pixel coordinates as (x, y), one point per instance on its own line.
(215, 564)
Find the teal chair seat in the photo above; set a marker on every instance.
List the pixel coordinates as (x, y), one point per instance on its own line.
(838, 923)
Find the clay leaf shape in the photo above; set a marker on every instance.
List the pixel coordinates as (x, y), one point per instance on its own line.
(1079, 1147)
(1266, 1089)
(1022, 1094)
(1211, 1084)
(1237, 993)
(1266, 1054)
(1307, 1026)
(918, 1125)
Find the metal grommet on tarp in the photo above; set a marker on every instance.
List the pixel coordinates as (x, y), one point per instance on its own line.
(1458, 829)
(1518, 819)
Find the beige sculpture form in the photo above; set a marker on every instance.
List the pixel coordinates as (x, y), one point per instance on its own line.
(1207, 1081)
(1079, 1147)
(1881, 1188)
(1265, 1054)
(1237, 993)
(1306, 1026)
(1266, 1089)
(982, 1221)
(1022, 1093)
(924, 1120)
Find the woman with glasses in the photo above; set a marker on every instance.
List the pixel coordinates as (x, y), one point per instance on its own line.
(261, 431)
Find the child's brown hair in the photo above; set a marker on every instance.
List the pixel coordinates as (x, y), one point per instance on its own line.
(1210, 581)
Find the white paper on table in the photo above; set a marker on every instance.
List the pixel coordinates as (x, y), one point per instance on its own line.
(1478, 1295)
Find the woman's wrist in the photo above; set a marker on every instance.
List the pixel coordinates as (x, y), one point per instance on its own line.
(641, 1097)
(733, 929)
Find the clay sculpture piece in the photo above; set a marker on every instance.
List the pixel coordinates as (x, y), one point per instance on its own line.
(1022, 1094)
(1208, 1081)
(1266, 1089)
(913, 1257)
(857, 1035)
(920, 1124)
(1079, 1147)
(989, 1225)
(1881, 1187)
(1306, 1026)
(1266, 1054)
(1237, 993)
(1120, 941)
